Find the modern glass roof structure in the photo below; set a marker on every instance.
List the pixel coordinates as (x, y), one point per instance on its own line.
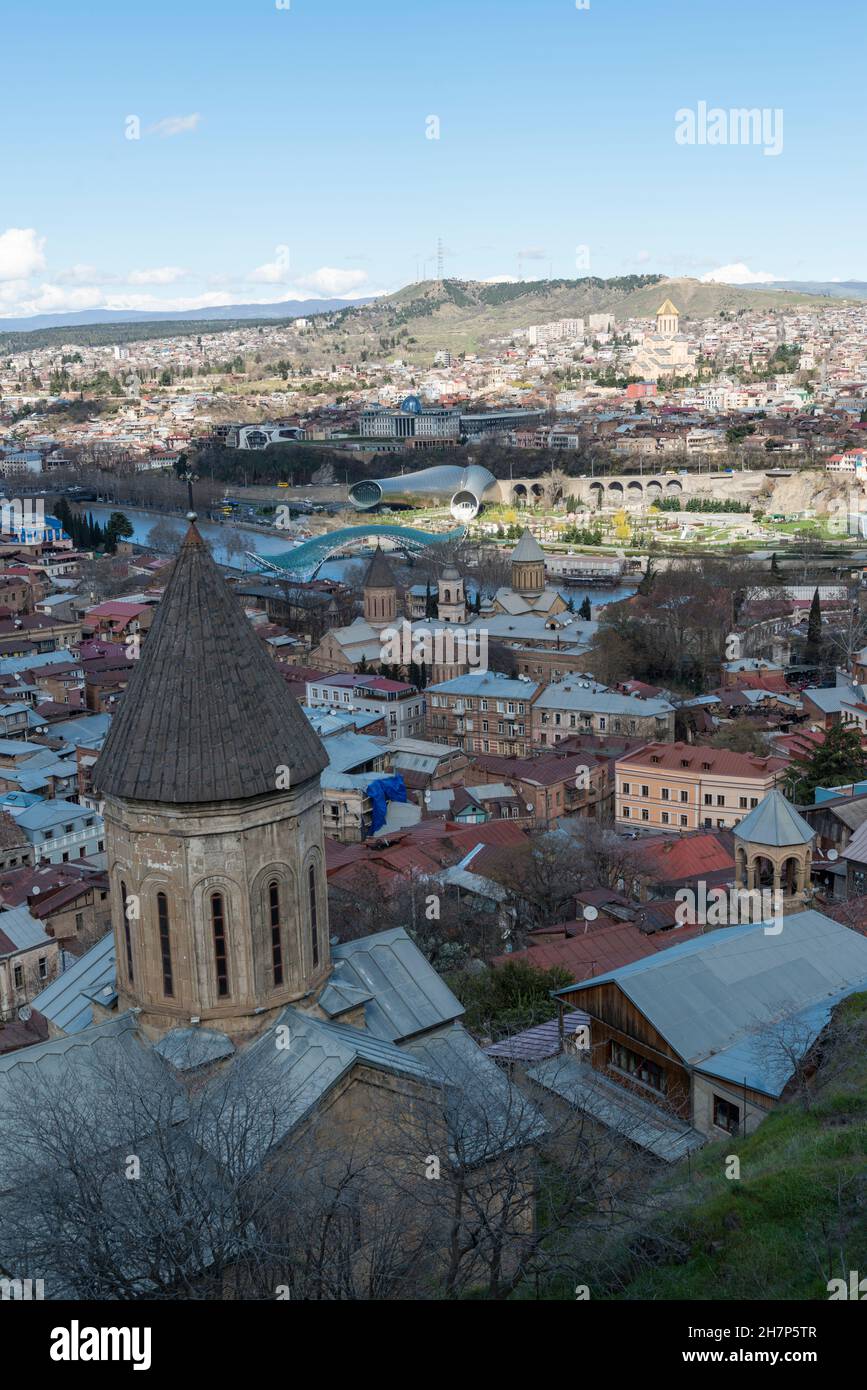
(304, 560)
(462, 490)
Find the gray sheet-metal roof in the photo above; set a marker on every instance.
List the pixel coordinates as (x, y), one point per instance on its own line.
(185, 1049)
(486, 1114)
(408, 995)
(66, 1002)
(294, 1064)
(710, 993)
(637, 1120)
(774, 822)
(22, 929)
(538, 1042)
(338, 998)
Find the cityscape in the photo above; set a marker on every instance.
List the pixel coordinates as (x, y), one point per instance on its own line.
(433, 681)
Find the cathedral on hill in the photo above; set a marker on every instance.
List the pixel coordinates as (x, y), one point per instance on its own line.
(666, 352)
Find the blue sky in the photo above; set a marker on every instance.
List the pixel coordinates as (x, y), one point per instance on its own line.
(283, 152)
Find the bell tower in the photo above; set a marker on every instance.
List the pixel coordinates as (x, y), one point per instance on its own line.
(210, 774)
(528, 567)
(380, 591)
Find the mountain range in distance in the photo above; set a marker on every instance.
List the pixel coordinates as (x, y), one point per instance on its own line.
(463, 315)
(285, 309)
(831, 289)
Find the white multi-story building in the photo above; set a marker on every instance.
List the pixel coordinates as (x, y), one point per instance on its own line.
(398, 703)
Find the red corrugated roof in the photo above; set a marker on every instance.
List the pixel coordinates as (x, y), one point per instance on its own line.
(600, 951)
(669, 757)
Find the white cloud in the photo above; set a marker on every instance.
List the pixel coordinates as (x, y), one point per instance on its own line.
(160, 275)
(21, 253)
(174, 125)
(501, 280)
(333, 283)
(156, 304)
(272, 272)
(49, 299)
(643, 257)
(80, 275)
(738, 274)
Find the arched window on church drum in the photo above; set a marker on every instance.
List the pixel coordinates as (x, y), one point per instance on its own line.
(126, 934)
(314, 925)
(221, 959)
(165, 944)
(276, 944)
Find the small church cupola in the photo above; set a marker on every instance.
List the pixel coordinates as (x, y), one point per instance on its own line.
(210, 774)
(774, 850)
(380, 591)
(451, 598)
(528, 566)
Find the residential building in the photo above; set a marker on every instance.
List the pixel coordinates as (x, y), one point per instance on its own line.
(682, 786)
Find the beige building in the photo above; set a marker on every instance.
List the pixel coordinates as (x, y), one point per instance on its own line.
(684, 786)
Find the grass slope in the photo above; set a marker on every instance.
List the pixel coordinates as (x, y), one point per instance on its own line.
(795, 1218)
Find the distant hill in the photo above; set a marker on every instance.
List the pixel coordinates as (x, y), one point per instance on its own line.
(464, 315)
(834, 289)
(283, 309)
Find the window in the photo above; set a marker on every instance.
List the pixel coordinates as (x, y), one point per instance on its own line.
(276, 945)
(641, 1068)
(645, 791)
(314, 923)
(645, 815)
(665, 818)
(726, 1115)
(684, 820)
(79, 921)
(754, 801)
(720, 801)
(684, 796)
(708, 799)
(742, 802)
(602, 724)
(665, 793)
(43, 967)
(626, 813)
(126, 931)
(221, 961)
(625, 788)
(165, 944)
(18, 976)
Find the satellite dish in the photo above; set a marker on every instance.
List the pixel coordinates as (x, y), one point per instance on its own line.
(590, 914)
(25, 1013)
(833, 854)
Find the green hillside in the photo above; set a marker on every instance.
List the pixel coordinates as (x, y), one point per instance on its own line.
(795, 1218)
(464, 315)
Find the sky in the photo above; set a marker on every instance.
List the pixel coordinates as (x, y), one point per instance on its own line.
(187, 154)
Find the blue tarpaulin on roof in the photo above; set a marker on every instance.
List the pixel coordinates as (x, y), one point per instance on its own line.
(383, 790)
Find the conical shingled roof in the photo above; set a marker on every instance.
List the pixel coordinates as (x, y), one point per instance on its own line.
(379, 572)
(206, 715)
(774, 822)
(528, 548)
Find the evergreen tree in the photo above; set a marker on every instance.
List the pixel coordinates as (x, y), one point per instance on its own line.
(585, 612)
(814, 629)
(775, 565)
(837, 762)
(430, 608)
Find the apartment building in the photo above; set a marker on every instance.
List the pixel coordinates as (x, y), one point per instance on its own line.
(583, 706)
(399, 704)
(683, 786)
(482, 712)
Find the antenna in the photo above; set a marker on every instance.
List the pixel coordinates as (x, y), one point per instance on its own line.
(440, 258)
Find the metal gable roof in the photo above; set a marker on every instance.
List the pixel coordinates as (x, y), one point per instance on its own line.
(711, 993)
(408, 995)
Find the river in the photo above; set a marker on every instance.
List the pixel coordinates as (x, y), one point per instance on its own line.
(260, 543)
